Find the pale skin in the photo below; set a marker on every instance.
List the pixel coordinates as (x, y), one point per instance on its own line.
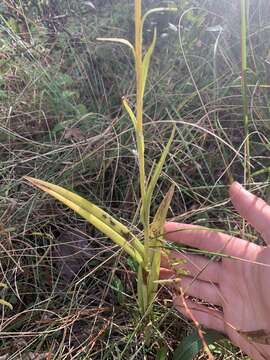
(239, 287)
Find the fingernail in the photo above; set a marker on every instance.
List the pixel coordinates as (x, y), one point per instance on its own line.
(236, 183)
(235, 187)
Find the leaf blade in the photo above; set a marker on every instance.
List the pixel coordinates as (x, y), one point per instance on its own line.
(150, 188)
(93, 214)
(119, 41)
(146, 61)
(5, 303)
(191, 345)
(130, 112)
(157, 239)
(159, 9)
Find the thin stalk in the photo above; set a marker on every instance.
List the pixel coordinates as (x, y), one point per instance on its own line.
(244, 88)
(139, 98)
(139, 114)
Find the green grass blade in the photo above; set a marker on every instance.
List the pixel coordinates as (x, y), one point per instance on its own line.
(156, 242)
(96, 216)
(146, 61)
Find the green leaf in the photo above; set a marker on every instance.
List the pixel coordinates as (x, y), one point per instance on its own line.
(146, 61)
(130, 112)
(142, 290)
(191, 345)
(119, 289)
(13, 25)
(133, 265)
(104, 222)
(150, 188)
(156, 243)
(162, 353)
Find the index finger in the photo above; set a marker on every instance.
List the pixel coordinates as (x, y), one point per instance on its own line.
(207, 239)
(254, 209)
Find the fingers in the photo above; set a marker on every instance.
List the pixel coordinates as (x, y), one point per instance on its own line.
(209, 240)
(252, 208)
(206, 317)
(166, 274)
(196, 266)
(202, 290)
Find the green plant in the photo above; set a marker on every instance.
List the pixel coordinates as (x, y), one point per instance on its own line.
(148, 253)
(192, 344)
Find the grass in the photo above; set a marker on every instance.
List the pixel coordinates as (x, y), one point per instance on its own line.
(57, 97)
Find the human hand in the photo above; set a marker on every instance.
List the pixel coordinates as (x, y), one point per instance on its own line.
(239, 284)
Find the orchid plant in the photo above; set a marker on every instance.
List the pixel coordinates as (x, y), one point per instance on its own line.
(146, 253)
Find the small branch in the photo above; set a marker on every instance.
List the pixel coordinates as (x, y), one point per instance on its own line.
(197, 325)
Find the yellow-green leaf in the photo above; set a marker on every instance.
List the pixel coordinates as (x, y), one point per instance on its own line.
(105, 223)
(155, 10)
(145, 212)
(129, 111)
(156, 242)
(119, 41)
(5, 303)
(146, 61)
(142, 289)
(4, 286)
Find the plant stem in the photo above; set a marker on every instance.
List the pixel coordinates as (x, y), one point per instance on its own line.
(139, 114)
(142, 274)
(244, 87)
(139, 97)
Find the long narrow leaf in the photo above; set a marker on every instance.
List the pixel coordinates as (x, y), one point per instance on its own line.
(149, 192)
(96, 216)
(130, 112)
(142, 290)
(5, 303)
(156, 242)
(146, 60)
(155, 10)
(92, 208)
(119, 41)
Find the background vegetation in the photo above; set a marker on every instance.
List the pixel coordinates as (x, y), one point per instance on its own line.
(61, 120)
